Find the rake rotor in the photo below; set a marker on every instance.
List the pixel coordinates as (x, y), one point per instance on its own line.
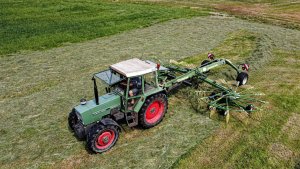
(225, 101)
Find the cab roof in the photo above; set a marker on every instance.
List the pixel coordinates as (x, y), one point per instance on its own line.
(134, 67)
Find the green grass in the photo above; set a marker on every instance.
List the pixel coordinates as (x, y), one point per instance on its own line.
(238, 45)
(36, 25)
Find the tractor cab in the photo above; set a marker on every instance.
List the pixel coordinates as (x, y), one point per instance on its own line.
(132, 80)
(132, 95)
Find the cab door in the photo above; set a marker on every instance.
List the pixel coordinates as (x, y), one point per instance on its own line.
(135, 86)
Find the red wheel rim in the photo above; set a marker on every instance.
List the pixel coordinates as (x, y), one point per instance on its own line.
(105, 139)
(154, 112)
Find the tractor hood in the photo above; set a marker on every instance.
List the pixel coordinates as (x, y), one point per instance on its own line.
(91, 112)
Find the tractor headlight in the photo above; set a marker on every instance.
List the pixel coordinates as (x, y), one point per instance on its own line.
(79, 116)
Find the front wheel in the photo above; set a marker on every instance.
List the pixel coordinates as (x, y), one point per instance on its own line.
(72, 120)
(153, 110)
(101, 138)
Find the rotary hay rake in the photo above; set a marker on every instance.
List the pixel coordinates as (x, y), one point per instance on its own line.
(221, 97)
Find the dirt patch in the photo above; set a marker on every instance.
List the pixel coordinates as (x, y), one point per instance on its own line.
(257, 9)
(281, 151)
(292, 127)
(290, 16)
(264, 12)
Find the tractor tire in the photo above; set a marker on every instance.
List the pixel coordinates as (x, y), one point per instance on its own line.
(204, 62)
(101, 138)
(79, 131)
(153, 110)
(72, 120)
(242, 78)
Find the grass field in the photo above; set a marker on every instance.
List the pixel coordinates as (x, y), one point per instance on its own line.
(36, 25)
(285, 13)
(39, 88)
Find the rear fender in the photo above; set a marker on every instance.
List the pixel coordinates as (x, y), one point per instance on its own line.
(141, 102)
(108, 121)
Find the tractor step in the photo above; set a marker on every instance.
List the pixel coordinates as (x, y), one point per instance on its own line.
(188, 83)
(131, 119)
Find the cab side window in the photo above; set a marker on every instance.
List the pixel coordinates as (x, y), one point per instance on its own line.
(149, 81)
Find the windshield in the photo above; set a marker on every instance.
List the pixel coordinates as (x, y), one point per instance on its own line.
(110, 77)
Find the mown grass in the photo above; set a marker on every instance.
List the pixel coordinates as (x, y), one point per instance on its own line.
(262, 142)
(37, 25)
(40, 88)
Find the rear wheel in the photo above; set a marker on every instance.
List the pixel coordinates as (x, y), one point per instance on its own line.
(101, 138)
(242, 78)
(153, 110)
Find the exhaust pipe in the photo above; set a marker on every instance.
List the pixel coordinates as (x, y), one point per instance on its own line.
(96, 91)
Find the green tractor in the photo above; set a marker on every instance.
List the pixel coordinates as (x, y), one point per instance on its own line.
(136, 94)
